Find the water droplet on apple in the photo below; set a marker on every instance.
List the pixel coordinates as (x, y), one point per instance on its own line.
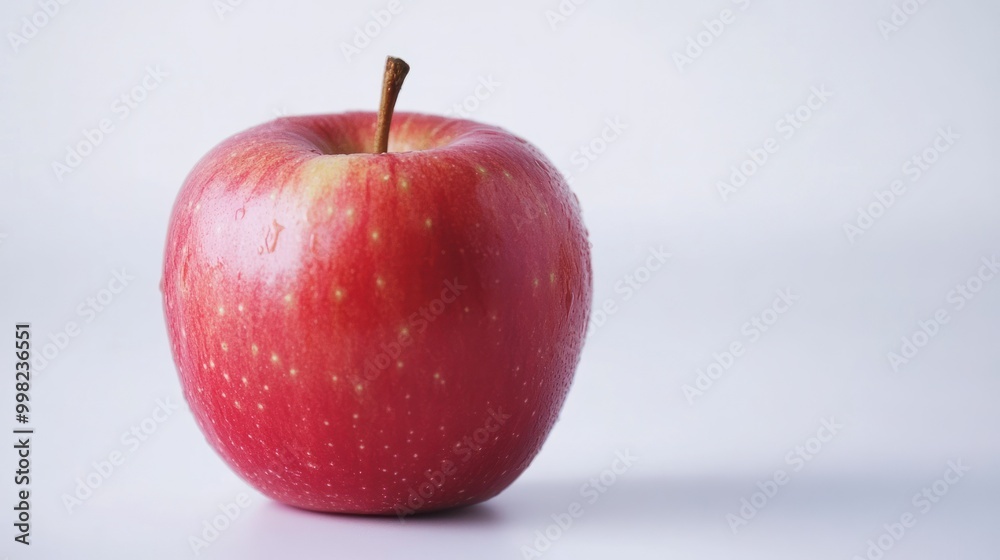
(241, 212)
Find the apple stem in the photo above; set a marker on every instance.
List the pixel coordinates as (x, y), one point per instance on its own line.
(392, 82)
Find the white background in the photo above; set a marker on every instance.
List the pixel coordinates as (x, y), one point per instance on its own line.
(655, 185)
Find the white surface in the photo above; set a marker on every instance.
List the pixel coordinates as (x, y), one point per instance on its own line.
(655, 185)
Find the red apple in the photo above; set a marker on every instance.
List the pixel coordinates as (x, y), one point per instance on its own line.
(378, 333)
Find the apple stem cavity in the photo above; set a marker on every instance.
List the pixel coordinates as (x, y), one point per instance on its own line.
(395, 72)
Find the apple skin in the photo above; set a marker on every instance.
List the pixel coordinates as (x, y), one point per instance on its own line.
(376, 333)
